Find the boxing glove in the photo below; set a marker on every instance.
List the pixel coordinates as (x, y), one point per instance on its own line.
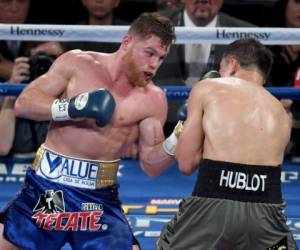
(182, 112)
(211, 74)
(98, 105)
(169, 144)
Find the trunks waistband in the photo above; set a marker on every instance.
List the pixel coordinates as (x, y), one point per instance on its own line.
(241, 182)
(82, 173)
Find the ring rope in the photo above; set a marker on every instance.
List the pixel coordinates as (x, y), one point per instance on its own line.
(182, 92)
(172, 92)
(114, 33)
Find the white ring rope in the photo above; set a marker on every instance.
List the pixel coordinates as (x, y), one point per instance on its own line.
(114, 33)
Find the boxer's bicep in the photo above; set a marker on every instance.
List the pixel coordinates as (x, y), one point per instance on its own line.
(36, 99)
(153, 158)
(55, 81)
(151, 133)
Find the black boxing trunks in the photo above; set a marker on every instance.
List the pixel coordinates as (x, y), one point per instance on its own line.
(66, 199)
(233, 206)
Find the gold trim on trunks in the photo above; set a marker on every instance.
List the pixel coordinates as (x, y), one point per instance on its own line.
(107, 174)
(38, 158)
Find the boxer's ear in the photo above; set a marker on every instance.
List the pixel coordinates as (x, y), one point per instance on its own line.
(233, 65)
(126, 41)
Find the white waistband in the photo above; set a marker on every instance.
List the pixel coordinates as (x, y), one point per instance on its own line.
(82, 173)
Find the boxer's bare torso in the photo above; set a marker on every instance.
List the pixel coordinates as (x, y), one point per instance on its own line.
(133, 104)
(84, 138)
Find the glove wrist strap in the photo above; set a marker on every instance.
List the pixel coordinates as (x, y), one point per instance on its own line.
(169, 144)
(59, 110)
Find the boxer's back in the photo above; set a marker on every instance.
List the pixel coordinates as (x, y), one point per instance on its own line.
(244, 123)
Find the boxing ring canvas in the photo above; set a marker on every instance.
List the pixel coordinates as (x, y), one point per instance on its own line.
(151, 202)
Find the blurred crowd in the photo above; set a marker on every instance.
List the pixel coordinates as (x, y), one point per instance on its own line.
(21, 62)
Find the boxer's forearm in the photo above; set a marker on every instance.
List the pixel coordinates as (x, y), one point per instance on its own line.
(34, 104)
(36, 99)
(157, 153)
(155, 160)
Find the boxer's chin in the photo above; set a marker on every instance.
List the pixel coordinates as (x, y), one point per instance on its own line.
(141, 83)
(138, 78)
(135, 79)
(144, 80)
